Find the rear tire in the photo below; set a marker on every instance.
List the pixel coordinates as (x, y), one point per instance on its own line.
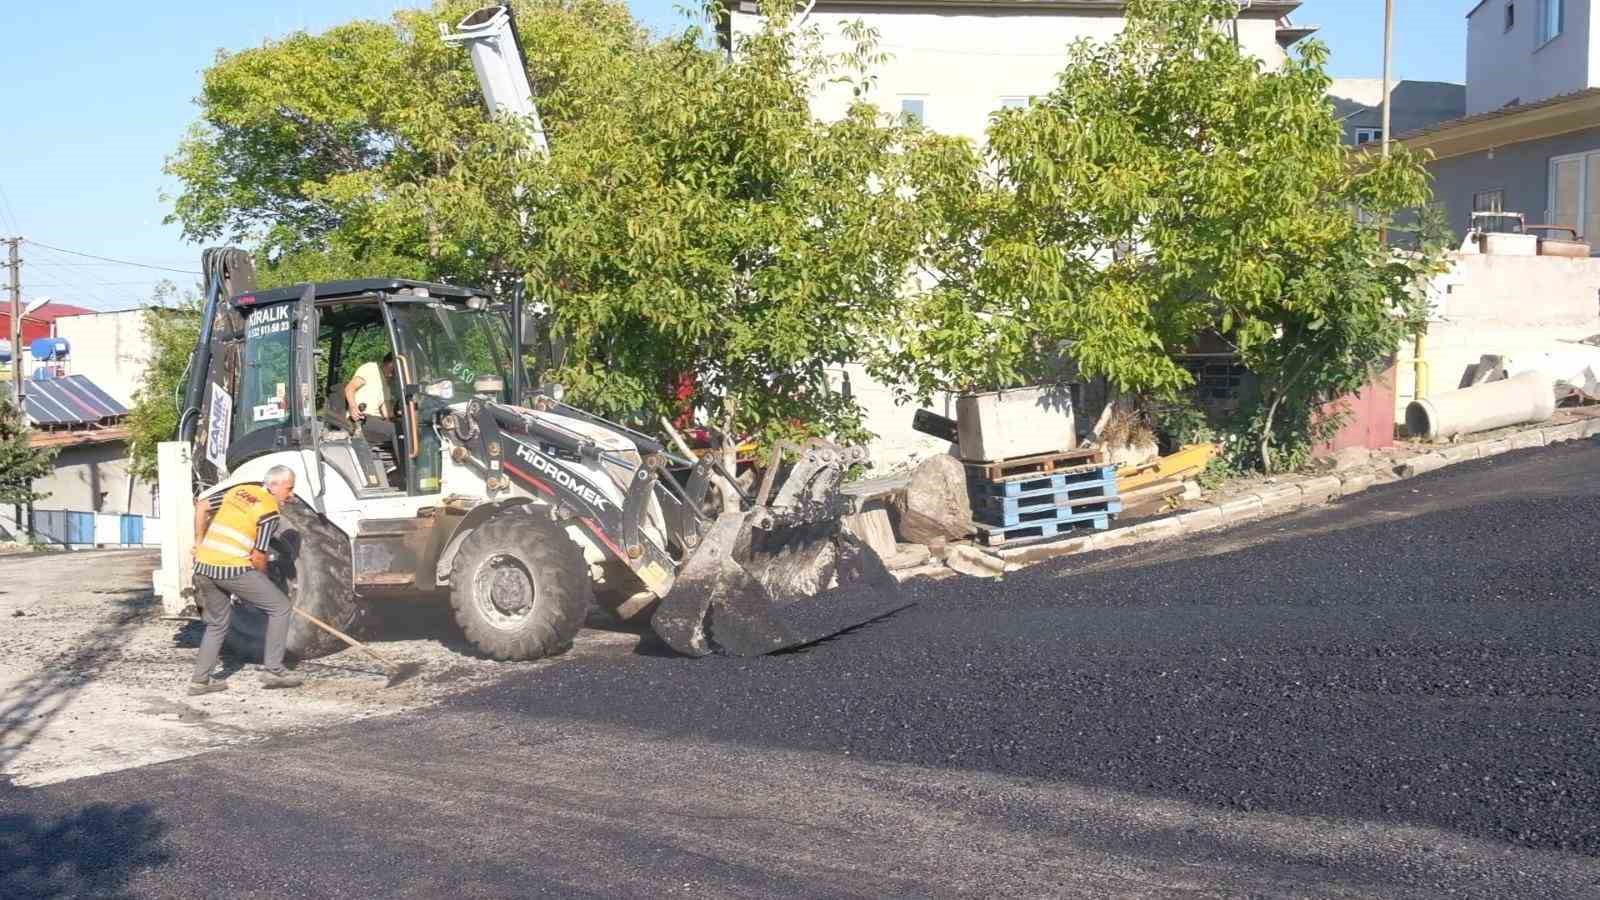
(519, 587)
(313, 569)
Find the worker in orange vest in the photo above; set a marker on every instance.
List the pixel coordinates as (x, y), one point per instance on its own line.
(232, 531)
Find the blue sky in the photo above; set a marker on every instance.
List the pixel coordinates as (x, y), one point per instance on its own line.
(97, 93)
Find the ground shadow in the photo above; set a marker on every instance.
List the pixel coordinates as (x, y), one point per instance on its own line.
(94, 851)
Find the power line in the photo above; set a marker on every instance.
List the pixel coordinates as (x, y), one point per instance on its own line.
(86, 265)
(106, 283)
(108, 259)
(79, 282)
(11, 215)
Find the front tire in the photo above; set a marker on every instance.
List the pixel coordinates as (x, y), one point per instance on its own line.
(519, 587)
(313, 568)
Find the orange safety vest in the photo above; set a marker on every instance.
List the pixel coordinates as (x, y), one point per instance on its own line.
(245, 517)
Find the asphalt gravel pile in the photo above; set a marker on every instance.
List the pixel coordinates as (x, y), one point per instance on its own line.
(1424, 654)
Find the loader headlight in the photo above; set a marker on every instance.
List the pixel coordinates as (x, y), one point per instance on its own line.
(443, 389)
(488, 384)
(556, 392)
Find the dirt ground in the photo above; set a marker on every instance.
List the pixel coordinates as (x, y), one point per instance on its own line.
(92, 678)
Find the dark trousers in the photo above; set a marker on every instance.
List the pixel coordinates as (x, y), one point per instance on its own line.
(255, 589)
(377, 431)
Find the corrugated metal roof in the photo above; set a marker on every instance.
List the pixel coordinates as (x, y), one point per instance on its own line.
(1501, 113)
(69, 400)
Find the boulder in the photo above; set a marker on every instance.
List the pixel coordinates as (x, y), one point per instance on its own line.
(872, 528)
(973, 562)
(934, 506)
(908, 556)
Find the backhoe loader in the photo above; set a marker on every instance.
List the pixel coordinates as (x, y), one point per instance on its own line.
(524, 510)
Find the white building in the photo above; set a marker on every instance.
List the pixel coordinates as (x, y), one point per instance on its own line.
(1523, 51)
(111, 348)
(1530, 141)
(952, 64)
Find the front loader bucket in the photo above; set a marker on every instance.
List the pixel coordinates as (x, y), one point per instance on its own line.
(757, 585)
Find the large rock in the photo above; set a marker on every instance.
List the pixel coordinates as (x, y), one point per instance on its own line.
(872, 528)
(934, 506)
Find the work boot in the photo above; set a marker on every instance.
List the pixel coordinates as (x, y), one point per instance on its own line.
(279, 680)
(196, 688)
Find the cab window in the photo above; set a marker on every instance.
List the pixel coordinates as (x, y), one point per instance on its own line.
(266, 376)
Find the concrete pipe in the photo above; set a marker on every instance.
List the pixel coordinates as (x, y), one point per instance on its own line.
(1528, 397)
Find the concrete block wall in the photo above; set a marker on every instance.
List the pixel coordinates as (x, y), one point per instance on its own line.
(1521, 307)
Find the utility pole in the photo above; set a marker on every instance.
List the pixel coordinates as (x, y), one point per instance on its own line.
(1388, 83)
(15, 265)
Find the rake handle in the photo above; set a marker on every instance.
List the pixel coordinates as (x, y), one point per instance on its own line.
(343, 637)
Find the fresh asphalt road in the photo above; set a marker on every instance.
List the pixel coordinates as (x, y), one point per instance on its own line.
(1392, 696)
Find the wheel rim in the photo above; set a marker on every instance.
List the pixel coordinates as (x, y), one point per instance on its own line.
(503, 592)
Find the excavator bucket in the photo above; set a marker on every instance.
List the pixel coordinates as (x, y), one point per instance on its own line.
(781, 575)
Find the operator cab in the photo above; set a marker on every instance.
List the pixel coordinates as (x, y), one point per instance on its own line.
(448, 344)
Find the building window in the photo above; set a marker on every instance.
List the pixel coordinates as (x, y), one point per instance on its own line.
(1489, 201)
(1511, 16)
(1575, 192)
(1368, 135)
(914, 109)
(1552, 19)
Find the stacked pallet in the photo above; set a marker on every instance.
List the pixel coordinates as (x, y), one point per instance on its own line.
(1039, 497)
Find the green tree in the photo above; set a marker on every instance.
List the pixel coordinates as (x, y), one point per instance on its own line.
(1169, 187)
(20, 464)
(692, 222)
(172, 327)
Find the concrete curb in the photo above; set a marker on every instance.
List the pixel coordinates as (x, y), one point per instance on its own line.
(1298, 493)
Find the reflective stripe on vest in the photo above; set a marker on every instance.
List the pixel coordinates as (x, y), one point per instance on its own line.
(231, 535)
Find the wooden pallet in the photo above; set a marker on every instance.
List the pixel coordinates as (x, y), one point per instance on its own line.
(1031, 466)
(1033, 485)
(1009, 510)
(998, 535)
(1083, 509)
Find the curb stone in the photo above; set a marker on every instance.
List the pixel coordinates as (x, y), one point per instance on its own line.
(1526, 439)
(1278, 497)
(1200, 519)
(1461, 452)
(1240, 507)
(1281, 498)
(1317, 491)
(1355, 482)
(1493, 448)
(1155, 529)
(1570, 432)
(1425, 463)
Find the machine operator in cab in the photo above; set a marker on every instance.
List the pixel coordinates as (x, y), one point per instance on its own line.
(367, 401)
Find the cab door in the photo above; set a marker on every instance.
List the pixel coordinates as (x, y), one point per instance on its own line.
(419, 448)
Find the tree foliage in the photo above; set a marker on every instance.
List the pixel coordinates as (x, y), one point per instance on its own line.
(172, 327)
(692, 218)
(695, 223)
(1170, 187)
(20, 464)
